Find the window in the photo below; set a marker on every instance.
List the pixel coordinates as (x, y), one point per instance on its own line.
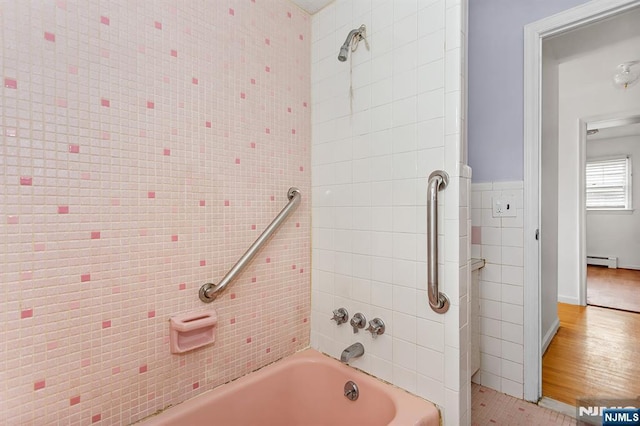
(609, 184)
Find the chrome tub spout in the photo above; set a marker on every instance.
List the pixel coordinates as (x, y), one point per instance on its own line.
(354, 351)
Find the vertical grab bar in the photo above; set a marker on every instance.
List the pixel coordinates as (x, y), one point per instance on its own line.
(438, 301)
(209, 291)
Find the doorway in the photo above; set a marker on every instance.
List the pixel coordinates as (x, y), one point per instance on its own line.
(571, 249)
(612, 222)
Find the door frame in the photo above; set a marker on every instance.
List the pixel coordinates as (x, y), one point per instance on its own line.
(534, 33)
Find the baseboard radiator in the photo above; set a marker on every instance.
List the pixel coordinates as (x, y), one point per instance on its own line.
(611, 262)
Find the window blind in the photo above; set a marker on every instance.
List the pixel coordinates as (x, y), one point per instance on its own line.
(608, 184)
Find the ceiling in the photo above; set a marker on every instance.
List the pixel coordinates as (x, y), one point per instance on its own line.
(311, 6)
(590, 56)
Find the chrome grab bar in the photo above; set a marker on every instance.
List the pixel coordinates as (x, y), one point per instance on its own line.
(438, 301)
(209, 291)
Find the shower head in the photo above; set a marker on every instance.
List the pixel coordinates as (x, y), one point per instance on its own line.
(344, 50)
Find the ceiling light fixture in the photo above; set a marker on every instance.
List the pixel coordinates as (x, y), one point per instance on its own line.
(625, 76)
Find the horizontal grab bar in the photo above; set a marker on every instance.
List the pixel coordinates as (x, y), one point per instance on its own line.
(209, 291)
(438, 301)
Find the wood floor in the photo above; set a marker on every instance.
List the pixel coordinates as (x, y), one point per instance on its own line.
(613, 288)
(595, 353)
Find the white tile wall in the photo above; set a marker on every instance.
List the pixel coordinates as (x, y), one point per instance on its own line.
(371, 158)
(501, 287)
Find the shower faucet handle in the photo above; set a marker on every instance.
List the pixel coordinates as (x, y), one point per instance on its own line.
(340, 316)
(376, 327)
(357, 322)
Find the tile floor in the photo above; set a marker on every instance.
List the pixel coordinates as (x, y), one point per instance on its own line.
(490, 407)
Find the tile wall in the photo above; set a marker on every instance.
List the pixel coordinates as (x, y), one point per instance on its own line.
(145, 145)
(500, 242)
(372, 154)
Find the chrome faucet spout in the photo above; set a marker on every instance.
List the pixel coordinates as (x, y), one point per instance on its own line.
(354, 351)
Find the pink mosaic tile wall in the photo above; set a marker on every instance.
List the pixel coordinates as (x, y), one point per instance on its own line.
(145, 145)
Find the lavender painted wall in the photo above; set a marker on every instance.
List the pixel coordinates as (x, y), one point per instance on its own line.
(495, 83)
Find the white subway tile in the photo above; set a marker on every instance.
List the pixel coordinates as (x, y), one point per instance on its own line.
(381, 346)
(453, 23)
(512, 294)
(490, 380)
(512, 275)
(382, 70)
(492, 254)
(382, 220)
(343, 240)
(491, 273)
(431, 47)
(512, 237)
(491, 364)
(430, 389)
(361, 290)
(431, 105)
(361, 194)
(361, 266)
(404, 273)
(451, 368)
(491, 236)
(512, 313)
(382, 294)
(382, 92)
(512, 352)
(404, 246)
(490, 290)
(381, 368)
(405, 138)
(404, 190)
(511, 388)
(380, 15)
(512, 332)
(404, 86)
(431, 18)
(431, 76)
(382, 269)
(490, 309)
(404, 355)
(404, 111)
(476, 217)
(430, 363)
(382, 167)
(381, 41)
(404, 219)
(402, 9)
(453, 73)
(381, 117)
(490, 327)
(404, 325)
(491, 345)
(514, 222)
(512, 256)
(431, 134)
(430, 334)
(500, 186)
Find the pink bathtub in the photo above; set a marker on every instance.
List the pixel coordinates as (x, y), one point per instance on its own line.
(304, 389)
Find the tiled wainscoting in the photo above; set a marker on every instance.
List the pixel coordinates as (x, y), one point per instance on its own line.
(500, 242)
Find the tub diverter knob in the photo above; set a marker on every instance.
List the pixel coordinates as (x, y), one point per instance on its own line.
(357, 322)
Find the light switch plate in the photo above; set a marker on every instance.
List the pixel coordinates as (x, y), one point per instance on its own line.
(503, 207)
